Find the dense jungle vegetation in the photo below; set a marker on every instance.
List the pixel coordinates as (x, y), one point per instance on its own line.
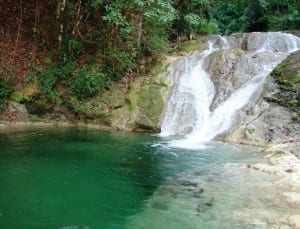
(74, 49)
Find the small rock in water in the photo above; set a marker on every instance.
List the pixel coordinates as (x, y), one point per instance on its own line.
(74, 227)
(159, 205)
(198, 193)
(209, 204)
(202, 207)
(188, 183)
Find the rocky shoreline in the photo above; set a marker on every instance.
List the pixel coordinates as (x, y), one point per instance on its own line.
(283, 163)
(6, 127)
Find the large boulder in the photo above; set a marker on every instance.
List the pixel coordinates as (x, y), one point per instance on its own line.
(144, 105)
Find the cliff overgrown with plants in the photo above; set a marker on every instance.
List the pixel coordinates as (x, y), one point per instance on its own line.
(57, 53)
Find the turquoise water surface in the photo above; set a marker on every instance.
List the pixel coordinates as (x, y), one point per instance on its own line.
(72, 178)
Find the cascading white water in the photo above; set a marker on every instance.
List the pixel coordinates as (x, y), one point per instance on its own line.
(189, 110)
(279, 42)
(195, 98)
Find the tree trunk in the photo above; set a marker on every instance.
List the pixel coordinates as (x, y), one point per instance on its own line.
(60, 17)
(140, 31)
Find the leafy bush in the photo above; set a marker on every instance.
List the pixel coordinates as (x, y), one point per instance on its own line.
(48, 78)
(118, 62)
(5, 88)
(86, 83)
(256, 15)
(71, 49)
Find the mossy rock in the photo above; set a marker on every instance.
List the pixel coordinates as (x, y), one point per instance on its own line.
(151, 104)
(287, 76)
(143, 108)
(144, 101)
(26, 94)
(92, 109)
(114, 98)
(122, 119)
(96, 109)
(157, 65)
(190, 46)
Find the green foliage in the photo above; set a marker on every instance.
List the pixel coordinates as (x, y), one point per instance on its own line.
(190, 46)
(26, 94)
(47, 61)
(118, 62)
(85, 83)
(256, 15)
(194, 16)
(79, 82)
(157, 17)
(208, 27)
(70, 50)
(30, 79)
(5, 88)
(48, 78)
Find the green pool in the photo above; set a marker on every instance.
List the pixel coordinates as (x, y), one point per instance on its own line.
(74, 178)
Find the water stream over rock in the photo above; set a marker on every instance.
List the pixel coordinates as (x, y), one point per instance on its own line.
(218, 85)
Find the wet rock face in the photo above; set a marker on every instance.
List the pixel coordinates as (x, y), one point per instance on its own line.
(275, 117)
(232, 68)
(222, 66)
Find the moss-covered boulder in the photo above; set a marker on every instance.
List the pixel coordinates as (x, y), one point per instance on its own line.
(287, 76)
(93, 109)
(114, 98)
(150, 101)
(26, 94)
(190, 46)
(144, 104)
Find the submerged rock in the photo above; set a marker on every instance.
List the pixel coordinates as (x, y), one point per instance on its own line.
(74, 227)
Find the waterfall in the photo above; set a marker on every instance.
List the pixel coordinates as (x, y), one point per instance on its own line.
(200, 106)
(189, 102)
